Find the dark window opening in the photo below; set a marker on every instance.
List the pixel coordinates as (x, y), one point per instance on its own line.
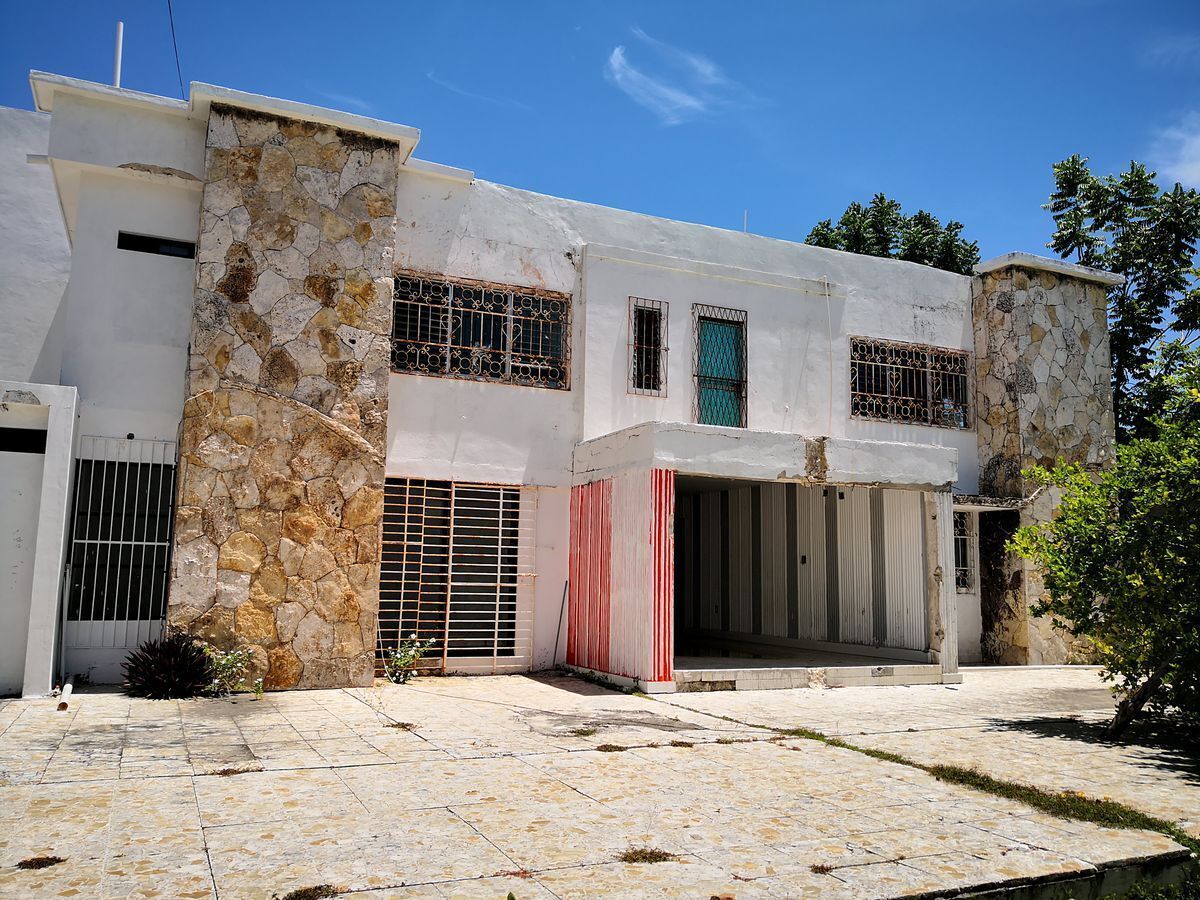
(144, 243)
(22, 440)
(647, 347)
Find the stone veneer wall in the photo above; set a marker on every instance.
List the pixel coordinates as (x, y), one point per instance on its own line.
(1043, 393)
(280, 503)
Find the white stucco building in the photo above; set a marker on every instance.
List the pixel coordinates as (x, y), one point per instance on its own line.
(273, 378)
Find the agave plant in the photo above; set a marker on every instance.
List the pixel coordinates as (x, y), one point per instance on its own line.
(168, 668)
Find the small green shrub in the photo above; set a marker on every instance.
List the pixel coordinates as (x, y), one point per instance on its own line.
(645, 855)
(400, 663)
(229, 669)
(172, 667)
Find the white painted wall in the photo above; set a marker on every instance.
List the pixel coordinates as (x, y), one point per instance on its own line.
(798, 352)
(129, 313)
(20, 505)
(34, 256)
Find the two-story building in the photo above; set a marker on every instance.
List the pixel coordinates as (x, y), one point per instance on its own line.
(289, 387)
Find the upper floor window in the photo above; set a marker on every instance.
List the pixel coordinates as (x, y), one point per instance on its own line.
(647, 347)
(484, 332)
(719, 365)
(910, 383)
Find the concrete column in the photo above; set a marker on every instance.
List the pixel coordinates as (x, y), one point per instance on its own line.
(942, 601)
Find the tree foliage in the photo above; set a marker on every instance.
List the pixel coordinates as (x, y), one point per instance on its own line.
(1121, 559)
(1126, 224)
(881, 229)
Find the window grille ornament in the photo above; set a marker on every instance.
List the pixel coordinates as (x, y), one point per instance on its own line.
(481, 332)
(912, 384)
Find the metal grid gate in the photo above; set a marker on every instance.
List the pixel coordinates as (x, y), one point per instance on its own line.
(118, 564)
(457, 569)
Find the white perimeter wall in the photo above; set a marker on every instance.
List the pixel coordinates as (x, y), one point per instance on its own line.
(34, 256)
(129, 313)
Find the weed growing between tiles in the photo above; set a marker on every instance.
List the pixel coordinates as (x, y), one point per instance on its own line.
(1064, 805)
(682, 744)
(611, 748)
(314, 892)
(645, 855)
(40, 862)
(403, 726)
(583, 732)
(225, 773)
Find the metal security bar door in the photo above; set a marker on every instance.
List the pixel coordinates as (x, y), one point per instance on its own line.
(720, 366)
(117, 568)
(457, 570)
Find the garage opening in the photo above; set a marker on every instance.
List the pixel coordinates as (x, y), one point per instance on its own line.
(773, 575)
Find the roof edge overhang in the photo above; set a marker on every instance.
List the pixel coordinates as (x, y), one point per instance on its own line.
(739, 453)
(46, 85)
(1047, 264)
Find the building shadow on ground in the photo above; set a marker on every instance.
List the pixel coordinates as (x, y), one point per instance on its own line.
(1154, 744)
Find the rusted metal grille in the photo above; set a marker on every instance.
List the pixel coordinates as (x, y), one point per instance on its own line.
(648, 347)
(910, 383)
(964, 552)
(457, 569)
(719, 365)
(459, 329)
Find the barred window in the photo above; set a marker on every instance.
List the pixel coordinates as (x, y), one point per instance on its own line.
(482, 332)
(647, 347)
(719, 365)
(964, 552)
(910, 383)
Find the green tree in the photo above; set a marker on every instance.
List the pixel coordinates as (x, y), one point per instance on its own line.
(1126, 224)
(881, 229)
(1121, 559)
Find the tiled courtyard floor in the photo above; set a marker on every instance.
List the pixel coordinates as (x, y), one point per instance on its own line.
(479, 787)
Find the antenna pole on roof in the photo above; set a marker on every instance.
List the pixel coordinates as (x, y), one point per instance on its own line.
(745, 221)
(117, 57)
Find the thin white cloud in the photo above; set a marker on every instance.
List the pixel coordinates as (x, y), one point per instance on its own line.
(675, 84)
(471, 95)
(1173, 51)
(345, 101)
(1176, 151)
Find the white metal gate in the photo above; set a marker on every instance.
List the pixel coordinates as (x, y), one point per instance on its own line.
(115, 589)
(457, 569)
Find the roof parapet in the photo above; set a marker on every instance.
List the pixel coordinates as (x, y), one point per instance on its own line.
(1047, 264)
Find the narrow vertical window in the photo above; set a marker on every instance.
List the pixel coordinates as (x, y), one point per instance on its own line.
(964, 552)
(719, 365)
(647, 347)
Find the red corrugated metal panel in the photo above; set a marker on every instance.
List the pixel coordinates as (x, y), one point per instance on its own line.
(589, 574)
(663, 538)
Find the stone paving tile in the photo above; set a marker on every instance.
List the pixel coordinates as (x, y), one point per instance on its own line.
(1026, 725)
(354, 853)
(488, 788)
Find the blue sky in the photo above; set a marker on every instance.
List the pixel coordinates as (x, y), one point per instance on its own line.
(698, 110)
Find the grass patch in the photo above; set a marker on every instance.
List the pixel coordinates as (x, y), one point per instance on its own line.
(1063, 805)
(583, 732)
(611, 748)
(682, 744)
(645, 855)
(40, 862)
(314, 892)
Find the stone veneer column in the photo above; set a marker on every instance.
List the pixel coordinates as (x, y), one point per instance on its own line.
(1043, 393)
(280, 504)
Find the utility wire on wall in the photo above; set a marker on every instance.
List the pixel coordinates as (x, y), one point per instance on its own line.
(175, 44)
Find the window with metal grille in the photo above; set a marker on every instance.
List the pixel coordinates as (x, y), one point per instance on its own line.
(647, 347)
(910, 383)
(454, 569)
(719, 365)
(964, 552)
(458, 329)
(120, 539)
